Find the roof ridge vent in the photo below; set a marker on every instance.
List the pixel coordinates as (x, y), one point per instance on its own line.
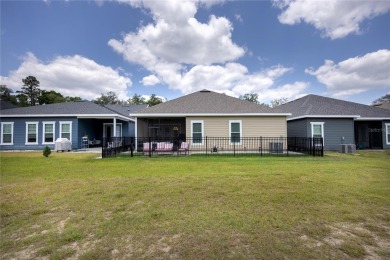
(205, 91)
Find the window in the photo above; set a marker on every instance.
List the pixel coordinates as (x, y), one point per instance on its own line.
(118, 130)
(31, 132)
(235, 131)
(197, 132)
(66, 130)
(108, 130)
(387, 133)
(317, 130)
(48, 132)
(7, 133)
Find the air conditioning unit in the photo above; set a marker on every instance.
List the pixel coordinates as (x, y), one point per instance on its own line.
(347, 148)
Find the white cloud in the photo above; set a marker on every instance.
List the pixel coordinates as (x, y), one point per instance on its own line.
(189, 55)
(334, 18)
(234, 79)
(70, 75)
(289, 91)
(189, 43)
(355, 75)
(147, 97)
(177, 37)
(150, 80)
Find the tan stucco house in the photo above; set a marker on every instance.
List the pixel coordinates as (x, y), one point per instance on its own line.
(209, 114)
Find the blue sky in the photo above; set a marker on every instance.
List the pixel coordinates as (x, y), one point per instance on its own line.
(278, 49)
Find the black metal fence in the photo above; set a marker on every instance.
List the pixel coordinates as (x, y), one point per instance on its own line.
(259, 146)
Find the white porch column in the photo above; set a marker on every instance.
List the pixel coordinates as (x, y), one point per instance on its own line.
(114, 128)
(136, 128)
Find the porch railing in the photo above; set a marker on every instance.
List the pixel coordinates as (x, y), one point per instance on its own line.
(260, 146)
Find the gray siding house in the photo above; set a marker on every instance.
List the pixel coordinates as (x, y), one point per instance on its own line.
(338, 122)
(32, 128)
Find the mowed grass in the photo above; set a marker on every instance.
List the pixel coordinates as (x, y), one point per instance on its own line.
(76, 206)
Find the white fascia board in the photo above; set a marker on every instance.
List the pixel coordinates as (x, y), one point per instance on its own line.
(210, 114)
(102, 116)
(372, 118)
(107, 117)
(324, 116)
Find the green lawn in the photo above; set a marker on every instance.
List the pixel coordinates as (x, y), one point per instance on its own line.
(77, 206)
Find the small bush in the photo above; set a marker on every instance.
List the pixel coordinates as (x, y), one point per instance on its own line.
(46, 151)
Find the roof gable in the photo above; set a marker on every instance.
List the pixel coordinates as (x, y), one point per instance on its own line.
(206, 102)
(125, 109)
(314, 105)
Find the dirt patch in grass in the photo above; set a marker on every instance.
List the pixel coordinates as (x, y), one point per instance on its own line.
(355, 240)
(61, 225)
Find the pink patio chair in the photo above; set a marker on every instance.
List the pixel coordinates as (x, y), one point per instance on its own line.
(184, 147)
(147, 148)
(164, 147)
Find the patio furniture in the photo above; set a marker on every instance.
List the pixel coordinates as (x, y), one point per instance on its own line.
(147, 147)
(184, 147)
(84, 142)
(163, 147)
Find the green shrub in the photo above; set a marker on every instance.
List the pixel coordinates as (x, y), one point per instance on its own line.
(46, 151)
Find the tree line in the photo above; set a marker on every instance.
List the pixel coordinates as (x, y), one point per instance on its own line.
(255, 99)
(32, 95)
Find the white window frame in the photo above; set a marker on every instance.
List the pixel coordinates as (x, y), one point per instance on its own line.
(322, 130)
(2, 133)
(70, 128)
(43, 131)
(120, 125)
(387, 126)
(36, 133)
(230, 132)
(192, 131)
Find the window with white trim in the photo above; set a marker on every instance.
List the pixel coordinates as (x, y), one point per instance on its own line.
(235, 130)
(317, 130)
(31, 132)
(48, 132)
(7, 133)
(66, 130)
(387, 133)
(118, 130)
(197, 131)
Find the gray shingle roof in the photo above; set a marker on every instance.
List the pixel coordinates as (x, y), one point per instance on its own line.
(313, 105)
(125, 109)
(206, 102)
(58, 109)
(6, 105)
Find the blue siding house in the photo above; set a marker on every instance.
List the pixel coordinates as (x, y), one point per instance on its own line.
(338, 122)
(32, 128)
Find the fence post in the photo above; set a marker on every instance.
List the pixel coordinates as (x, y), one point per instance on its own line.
(287, 145)
(261, 146)
(103, 155)
(206, 146)
(132, 146)
(234, 147)
(150, 147)
(311, 146)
